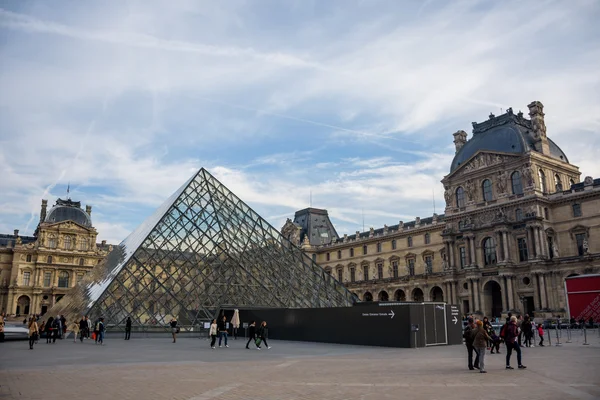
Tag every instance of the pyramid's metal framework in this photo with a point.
(203, 250)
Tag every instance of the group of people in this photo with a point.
(255, 335)
(57, 328)
(480, 336)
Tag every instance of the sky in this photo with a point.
(339, 104)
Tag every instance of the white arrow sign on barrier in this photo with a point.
(392, 314)
(455, 320)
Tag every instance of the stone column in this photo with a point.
(471, 297)
(544, 240)
(537, 303)
(499, 247)
(544, 301)
(455, 292)
(476, 294)
(451, 260)
(539, 244)
(511, 293)
(473, 253)
(505, 245)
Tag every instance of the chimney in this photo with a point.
(88, 210)
(460, 138)
(536, 113)
(43, 211)
(16, 233)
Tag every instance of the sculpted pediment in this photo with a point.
(483, 160)
(67, 225)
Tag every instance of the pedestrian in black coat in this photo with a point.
(252, 335)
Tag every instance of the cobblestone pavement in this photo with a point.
(190, 370)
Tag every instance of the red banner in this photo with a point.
(583, 296)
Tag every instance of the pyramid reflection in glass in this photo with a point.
(201, 251)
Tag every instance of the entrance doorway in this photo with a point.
(492, 299)
(528, 305)
(383, 296)
(437, 294)
(44, 309)
(23, 305)
(368, 296)
(417, 295)
(466, 307)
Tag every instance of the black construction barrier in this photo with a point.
(391, 324)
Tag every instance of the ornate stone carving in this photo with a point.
(291, 231)
(527, 175)
(470, 190)
(502, 182)
(448, 195)
(483, 160)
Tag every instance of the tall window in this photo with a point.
(580, 238)
(518, 214)
(351, 252)
(365, 249)
(49, 259)
(409, 241)
(394, 244)
(411, 266)
(67, 242)
(427, 238)
(380, 271)
(489, 251)
(352, 275)
(340, 275)
(522, 243)
(379, 247)
(542, 178)
(577, 210)
(63, 279)
(395, 269)
(460, 197)
(28, 257)
(365, 272)
(551, 246)
(339, 254)
(463, 256)
(517, 185)
(26, 277)
(83, 244)
(428, 265)
(47, 277)
(52, 242)
(81, 261)
(486, 187)
(328, 256)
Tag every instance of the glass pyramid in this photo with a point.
(201, 251)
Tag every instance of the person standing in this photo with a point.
(540, 330)
(63, 323)
(173, 325)
(101, 331)
(262, 333)
(213, 333)
(75, 329)
(83, 329)
(252, 335)
(468, 336)
(128, 328)
(488, 329)
(526, 329)
(97, 331)
(223, 331)
(480, 341)
(56, 328)
(49, 328)
(511, 340)
(33, 332)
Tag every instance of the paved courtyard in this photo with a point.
(155, 368)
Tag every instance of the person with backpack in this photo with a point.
(540, 330)
(252, 335)
(468, 336)
(511, 340)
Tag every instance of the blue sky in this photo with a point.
(355, 101)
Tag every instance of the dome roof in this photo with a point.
(67, 210)
(508, 133)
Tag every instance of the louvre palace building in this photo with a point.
(37, 271)
(519, 219)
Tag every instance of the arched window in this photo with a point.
(81, 261)
(28, 257)
(571, 182)
(489, 251)
(518, 214)
(52, 242)
(460, 197)
(542, 177)
(517, 185)
(409, 241)
(427, 238)
(67, 242)
(49, 259)
(63, 279)
(486, 187)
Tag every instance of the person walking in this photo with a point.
(468, 336)
(49, 328)
(213, 333)
(262, 334)
(128, 328)
(511, 340)
(480, 341)
(223, 331)
(526, 330)
(89, 324)
(83, 329)
(56, 328)
(75, 329)
(100, 328)
(97, 331)
(33, 332)
(489, 329)
(540, 330)
(63, 324)
(252, 335)
(174, 329)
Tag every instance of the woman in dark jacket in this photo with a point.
(262, 333)
(489, 329)
(49, 329)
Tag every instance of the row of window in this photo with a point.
(409, 243)
(410, 265)
(63, 279)
(516, 186)
(68, 243)
(50, 259)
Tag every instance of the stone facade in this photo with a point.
(518, 221)
(37, 271)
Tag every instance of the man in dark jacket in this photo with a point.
(469, 337)
(252, 335)
(223, 330)
(511, 336)
(83, 328)
(128, 328)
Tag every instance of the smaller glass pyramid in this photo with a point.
(201, 251)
